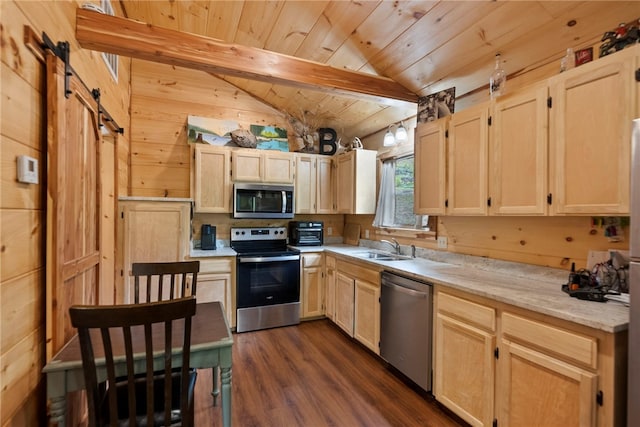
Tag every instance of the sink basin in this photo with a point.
(381, 256)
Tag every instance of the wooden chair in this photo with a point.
(127, 398)
(164, 280)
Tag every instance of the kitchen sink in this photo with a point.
(381, 256)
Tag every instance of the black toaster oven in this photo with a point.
(306, 233)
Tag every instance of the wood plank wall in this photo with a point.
(22, 216)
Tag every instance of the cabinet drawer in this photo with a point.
(218, 265)
(359, 272)
(311, 260)
(575, 347)
(331, 262)
(479, 315)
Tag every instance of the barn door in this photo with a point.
(73, 238)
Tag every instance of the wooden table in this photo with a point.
(211, 342)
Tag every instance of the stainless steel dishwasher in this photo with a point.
(405, 326)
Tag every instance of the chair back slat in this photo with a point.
(107, 330)
(164, 280)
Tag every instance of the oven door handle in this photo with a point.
(269, 258)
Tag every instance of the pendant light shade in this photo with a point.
(401, 133)
(389, 139)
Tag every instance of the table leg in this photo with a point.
(225, 379)
(215, 391)
(58, 409)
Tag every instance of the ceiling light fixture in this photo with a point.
(401, 133)
(389, 139)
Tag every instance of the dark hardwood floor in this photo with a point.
(314, 375)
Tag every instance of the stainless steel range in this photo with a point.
(267, 278)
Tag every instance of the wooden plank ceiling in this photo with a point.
(424, 46)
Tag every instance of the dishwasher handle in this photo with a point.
(402, 289)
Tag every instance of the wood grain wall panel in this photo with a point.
(20, 100)
(150, 153)
(160, 181)
(21, 237)
(17, 319)
(16, 195)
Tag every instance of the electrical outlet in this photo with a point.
(442, 242)
(329, 231)
(366, 234)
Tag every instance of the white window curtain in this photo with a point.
(385, 210)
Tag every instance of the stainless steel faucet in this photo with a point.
(395, 244)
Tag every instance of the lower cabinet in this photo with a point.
(497, 363)
(357, 303)
(216, 283)
(312, 285)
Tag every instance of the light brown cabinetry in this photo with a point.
(357, 303)
(330, 287)
(314, 184)
(430, 156)
(356, 182)
(212, 179)
(493, 361)
(464, 363)
(468, 156)
(312, 290)
(216, 283)
(262, 166)
(518, 153)
(150, 231)
(590, 134)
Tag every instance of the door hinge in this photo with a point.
(489, 202)
(121, 273)
(549, 102)
(638, 75)
(122, 214)
(446, 203)
(599, 398)
(495, 422)
(446, 133)
(549, 198)
(489, 121)
(496, 353)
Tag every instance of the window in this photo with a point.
(111, 59)
(395, 200)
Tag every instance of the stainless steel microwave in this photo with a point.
(262, 201)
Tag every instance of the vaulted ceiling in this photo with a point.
(425, 46)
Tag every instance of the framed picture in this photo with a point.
(270, 137)
(584, 55)
(204, 130)
(437, 105)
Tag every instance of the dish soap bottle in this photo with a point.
(498, 80)
(568, 61)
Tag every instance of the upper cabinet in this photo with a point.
(212, 179)
(314, 184)
(468, 154)
(356, 182)
(430, 154)
(590, 136)
(262, 166)
(518, 153)
(561, 147)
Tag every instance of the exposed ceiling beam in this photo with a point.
(135, 39)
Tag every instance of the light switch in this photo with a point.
(27, 170)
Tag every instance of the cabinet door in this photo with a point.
(346, 173)
(330, 290)
(247, 166)
(430, 172)
(151, 232)
(345, 287)
(367, 315)
(312, 292)
(325, 185)
(216, 287)
(305, 184)
(564, 394)
(518, 153)
(468, 158)
(278, 168)
(464, 371)
(212, 180)
(590, 133)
